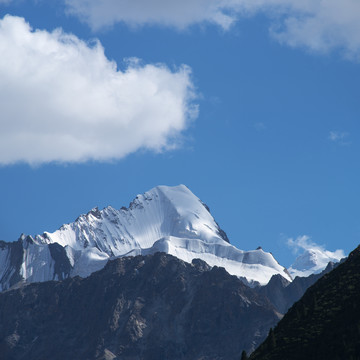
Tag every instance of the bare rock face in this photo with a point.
(143, 307)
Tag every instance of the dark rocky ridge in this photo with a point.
(12, 274)
(283, 293)
(153, 307)
(62, 266)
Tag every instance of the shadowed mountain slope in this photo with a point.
(152, 307)
(324, 323)
(283, 293)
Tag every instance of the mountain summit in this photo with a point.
(165, 219)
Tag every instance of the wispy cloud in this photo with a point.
(260, 126)
(312, 258)
(317, 25)
(304, 242)
(341, 138)
(62, 100)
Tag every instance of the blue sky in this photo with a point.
(253, 105)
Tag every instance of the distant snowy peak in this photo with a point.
(313, 261)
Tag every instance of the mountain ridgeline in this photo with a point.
(142, 307)
(324, 324)
(156, 280)
(283, 293)
(167, 219)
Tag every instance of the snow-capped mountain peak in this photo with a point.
(160, 212)
(168, 219)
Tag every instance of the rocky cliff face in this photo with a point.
(152, 307)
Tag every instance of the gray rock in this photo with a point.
(153, 307)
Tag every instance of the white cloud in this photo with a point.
(319, 25)
(260, 126)
(179, 14)
(322, 26)
(339, 137)
(304, 242)
(313, 258)
(62, 100)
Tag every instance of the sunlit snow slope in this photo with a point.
(167, 219)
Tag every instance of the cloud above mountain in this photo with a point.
(312, 258)
(304, 242)
(317, 25)
(62, 100)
